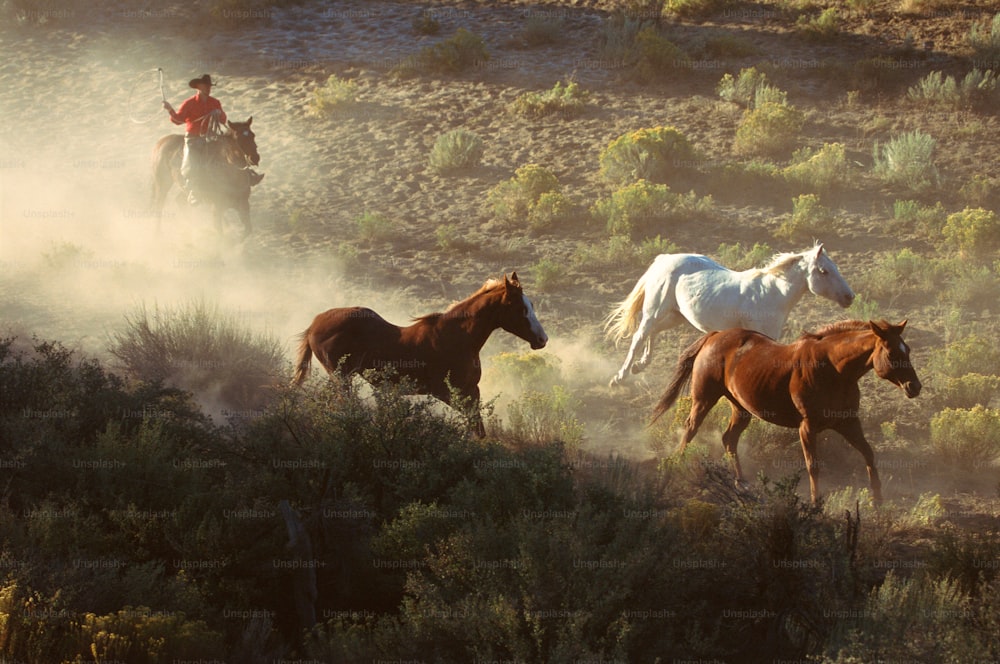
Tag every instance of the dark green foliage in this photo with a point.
(133, 529)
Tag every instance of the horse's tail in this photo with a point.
(303, 362)
(682, 374)
(624, 319)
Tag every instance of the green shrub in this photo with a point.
(737, 257)
(655, 55)
(820, 171)
(985, 40)
(693, 8)
(976, 88)
(768, 130)
(907, 160)
(646, 154)
(980, 190)
(551, 209)
(975, 233)
(972, 389)
(458, 53)
(809, 218)
(424, 23)
(619, 250)
(935, 88)
(456, 150)
(975, 353)
(742, 89)
(450, 237)
(903, 273)
(542, 30)
(374, 226)
(527, 369)
(916, 619)
(967, 438)
(197, 347)
(642, 207)
(540, 417)
(565, 101)
(824, 26)
(768, 94)
(549, 275)
(333, 95)
(928, 221)
(512, 202)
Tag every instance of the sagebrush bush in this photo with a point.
(543, 416)
(768, 130)
(904, 274)
(198, 347)
(456, 54)
(655, 55)
(643, 207)
(984, 38)
(737, 257)
(974, 353)
(551, 209)
(972, 389)
(825, 25)
(693, 8)
(907, 160)
(374, 226)
(927, 220)
(456, 150)
(334, 94)
(563, 100)
(652, 154)
(742, 89)
(936, 88)
(820, 170)
(514, 201)
(549, 275)
(966, 438)
(620, 250)
(809, 218)
(974, 233)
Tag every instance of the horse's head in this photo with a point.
(245, 140)
(518, 315)
(824, 278)
(891, 357)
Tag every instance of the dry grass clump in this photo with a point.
(333, 95)
(197, 347)
(456, 150)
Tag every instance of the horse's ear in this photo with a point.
(229, 123)
(513, 282)
(880, 328)
(819, 250)
(901, 326)
(250, 121)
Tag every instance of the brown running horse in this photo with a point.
(228, 179)
(436, 351)
(810, 384)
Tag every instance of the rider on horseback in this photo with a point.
(202, 116)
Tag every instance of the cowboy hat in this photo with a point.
(204, 80)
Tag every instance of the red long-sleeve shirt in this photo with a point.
(193, 114)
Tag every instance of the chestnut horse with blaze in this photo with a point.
(810, 384)
(439, 352)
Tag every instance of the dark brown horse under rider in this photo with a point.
(202, 117)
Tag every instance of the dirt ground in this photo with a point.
(81, 101)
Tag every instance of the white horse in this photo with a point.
(712, 297)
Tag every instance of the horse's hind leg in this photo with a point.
(739, 420)
(643, 337)
(700, 408)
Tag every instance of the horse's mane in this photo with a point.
(490, 284)
(836, 328)
(782, 262)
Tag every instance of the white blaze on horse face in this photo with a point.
(536, 327)
(826, 281)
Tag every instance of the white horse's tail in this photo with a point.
(624, 319)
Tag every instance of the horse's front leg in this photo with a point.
(850, 429)
(243, 209)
